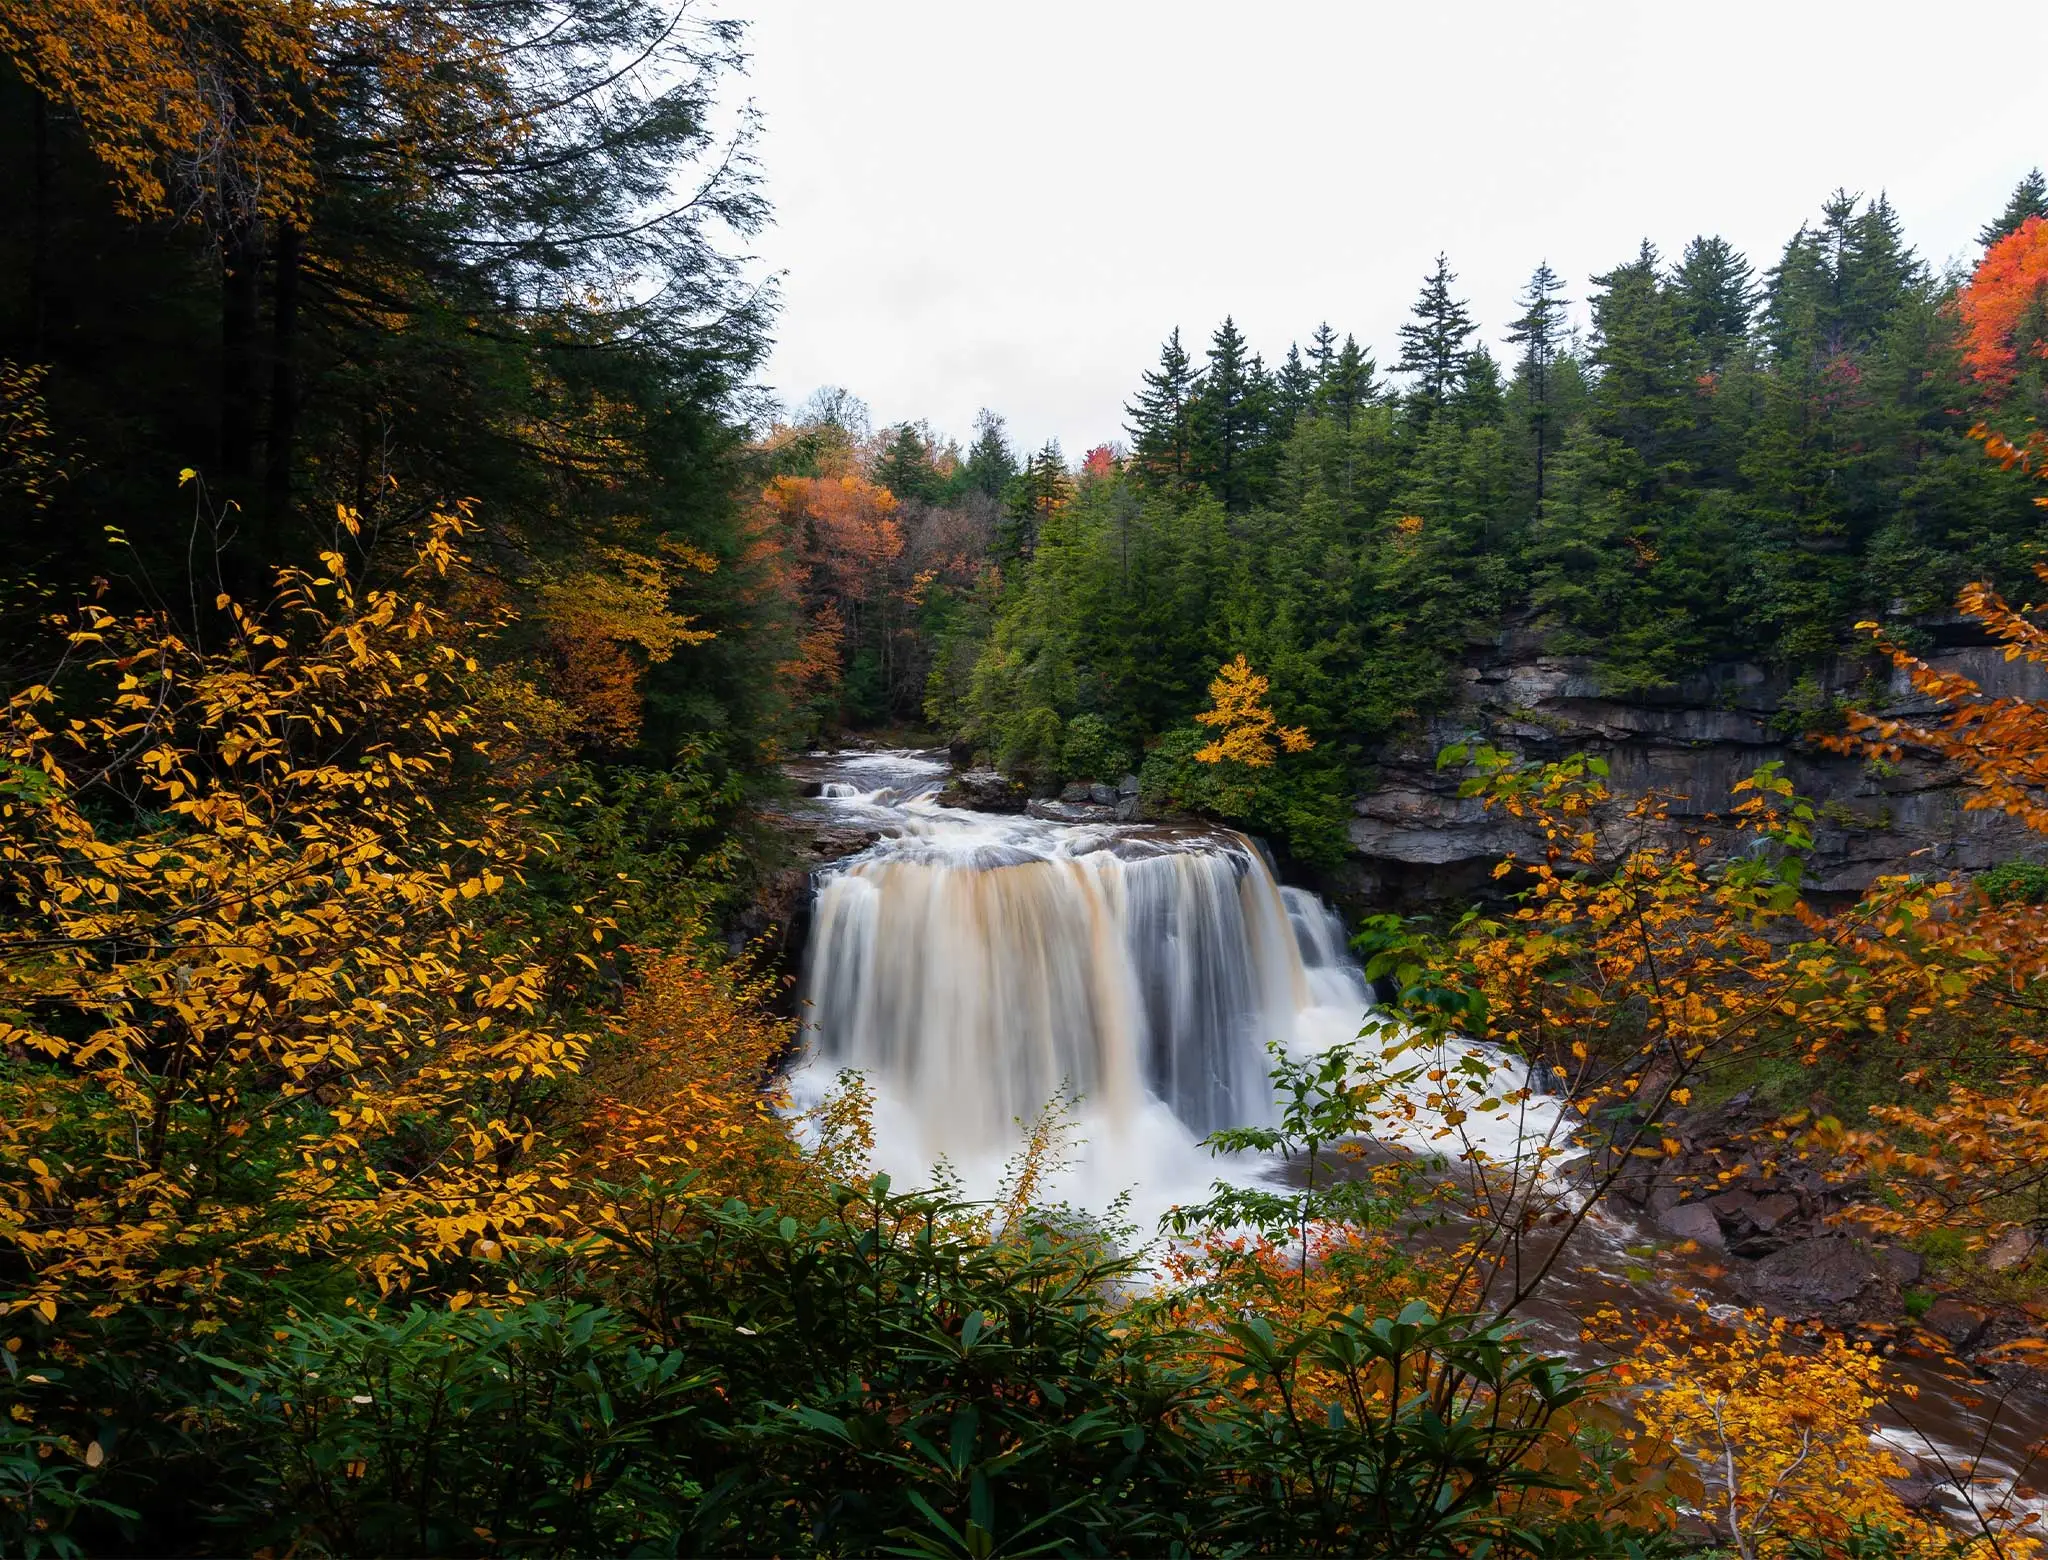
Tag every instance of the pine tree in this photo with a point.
(1229, 416)
(1294, 390)
(1322, 351)
(905, 466)
(1480, 397)
(1715, 295)
(1161, 416)
(1433, 347)
(990, 467)
(1042, 490)
(1348, 385)
(2029, 199)
(1537, 332)
(1839, 284)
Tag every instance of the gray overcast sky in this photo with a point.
(1010, 205)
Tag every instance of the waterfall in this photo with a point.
(973, 965)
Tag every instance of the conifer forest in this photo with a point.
(1435, 947)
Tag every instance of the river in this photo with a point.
(974, 966)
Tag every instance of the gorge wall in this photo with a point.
(1416, 842)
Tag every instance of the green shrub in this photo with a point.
(1091, 750)
(1303, 801)
(2016, 883)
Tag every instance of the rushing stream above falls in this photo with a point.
(975, 966)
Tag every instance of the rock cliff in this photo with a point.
(1415, 841)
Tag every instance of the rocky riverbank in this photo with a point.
(1777, 1228)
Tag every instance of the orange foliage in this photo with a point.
(824, 548)
(1247, 731)
(208, 108)
(597, 617)
(2000, 744)
(2007, 299)
(689, 1088)
(1775, 1428)
(187, 102)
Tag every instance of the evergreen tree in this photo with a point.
(1348, 385)
(1042, 490)
(905, 466)
(1229, 416)
(1716, 299)
(1322, 351)
(2029, 199)
(1538, 332)
(1839, 284)
(1433, 345)
(1161, 417)
(1294, 391)
(1480, 398)
(989, 467)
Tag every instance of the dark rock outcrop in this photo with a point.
(1826, 1275)
(1414, 840)
(985, 790)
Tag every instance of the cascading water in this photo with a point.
(973, 966)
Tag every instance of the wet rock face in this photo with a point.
(1414, 839)
(1824, 1275)
(985, 790)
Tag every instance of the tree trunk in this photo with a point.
(39, 220)
(284, 382)
(240, 294)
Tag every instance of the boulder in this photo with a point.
(1128, 786)
(1127, 809)
(1068, 812)
(1959, 1324)
(1830, 1271)
(1772, 1210)
(1103, 795)
(1076, 792)
(2013, 1248)
(1905, 1267)
(1693, 1221)
(984, 790)
(1736, 1209)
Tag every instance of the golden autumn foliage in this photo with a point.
(610, 620)
(1247, 732)
(1776, 1426)
(250, 938)
(823, 547)
(270, 1009)
(207, 108)
(691, 1088)
(186, 102)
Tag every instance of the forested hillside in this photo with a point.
(1732, 462)
(410, 602)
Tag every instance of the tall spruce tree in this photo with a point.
(1042, 490)
(2029, 199)
(1294, 390)
(1322, 351)
(905, 466)
(1538, 331)
(1715, 294)
(990, 466)
(1161, 418)
(1229, 416)
(1433, 346)
(1349, 383)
